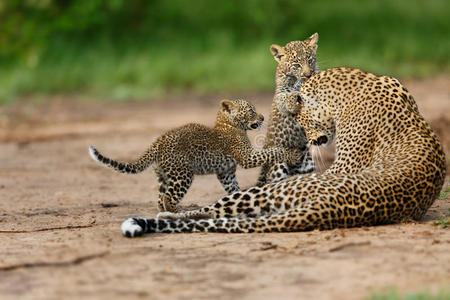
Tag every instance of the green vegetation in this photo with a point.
(444, 193)
(444, 223)
(394, 295)
(122, 49)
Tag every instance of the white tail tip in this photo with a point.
(92, 153)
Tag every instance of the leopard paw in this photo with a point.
(166, 215)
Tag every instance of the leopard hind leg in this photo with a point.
(173, 189)
(162, 180)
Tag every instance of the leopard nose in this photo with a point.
(306, 72)
(322, 140)
(306, 75)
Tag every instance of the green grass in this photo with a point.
(424, 295)
(444, 193)
(170, 47)
(142, 74)
(444, 223)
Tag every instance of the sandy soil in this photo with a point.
(60, 215)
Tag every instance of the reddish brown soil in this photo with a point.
(60, 215)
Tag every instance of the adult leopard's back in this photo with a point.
(389, 166)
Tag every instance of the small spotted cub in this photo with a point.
(194, 149)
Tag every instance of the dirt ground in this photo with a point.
(60, 215)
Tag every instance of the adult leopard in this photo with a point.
(389, 166)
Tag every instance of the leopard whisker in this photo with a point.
(318, 154)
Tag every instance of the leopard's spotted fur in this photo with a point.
(195, 149)
(389, 166)
(296, 63)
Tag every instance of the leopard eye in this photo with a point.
(252, 111)
(311, 61)
(298, 66)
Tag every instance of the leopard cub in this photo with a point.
(195, 149)
(296, 63)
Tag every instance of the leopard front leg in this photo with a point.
(281, 171)
(278, 172)
(306, 166)
(229, 181)
(262, 178)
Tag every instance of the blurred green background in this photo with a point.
(138, 49)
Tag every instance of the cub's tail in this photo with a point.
(138, 166)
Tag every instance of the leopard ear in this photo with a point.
(312, 40)
(277, 52)
(226, 105)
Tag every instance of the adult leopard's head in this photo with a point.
(315, 113)
(296, 60)
(240, 114)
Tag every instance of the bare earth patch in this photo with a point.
(60, 215)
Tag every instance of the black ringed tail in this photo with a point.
(138, 166)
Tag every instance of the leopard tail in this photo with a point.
(142, 163)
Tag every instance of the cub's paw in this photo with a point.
(288, 103)
(293, 101)
(132, 228)
(295, 156)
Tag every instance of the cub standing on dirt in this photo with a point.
(194, 149)
(296, 63)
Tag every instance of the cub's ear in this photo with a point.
(277, 52)
(312, 40)
(226, 105)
